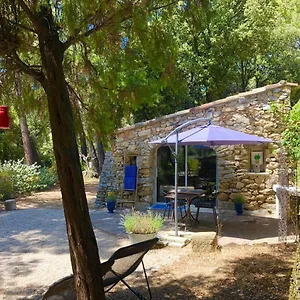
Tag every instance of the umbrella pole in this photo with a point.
(186, 167)
(176, 186)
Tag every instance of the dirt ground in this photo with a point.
(234, 272)
(51, 198)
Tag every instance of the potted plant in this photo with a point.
(111, 202)
(239, 201)
(141, 226)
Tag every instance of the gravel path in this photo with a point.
(34, 251)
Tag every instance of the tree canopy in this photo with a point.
(120, 52)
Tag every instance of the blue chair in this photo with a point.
(181, 206)
(130, 178)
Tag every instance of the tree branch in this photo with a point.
(96, 27)
(97, 23)
(29, 13)
(77, 96)
(32, 17)
(22, 26)
(39, 76)
(163, 6)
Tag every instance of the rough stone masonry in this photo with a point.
(259, 111)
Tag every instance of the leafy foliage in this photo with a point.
(24, 179)
(239, 199)
(47, 178)
(292, 133)
(225, 47)
(6, 187)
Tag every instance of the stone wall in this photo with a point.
(250, 112)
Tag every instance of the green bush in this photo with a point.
(239, 199)
(6, 188)
(142, 223)
(47, 178)
(25, 179)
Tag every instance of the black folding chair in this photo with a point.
(121, 264)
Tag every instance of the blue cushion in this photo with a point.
(130, 171)
(129, 183)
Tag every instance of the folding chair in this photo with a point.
(121, 264)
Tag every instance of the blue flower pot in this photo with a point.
(239, 208)
(111, 205)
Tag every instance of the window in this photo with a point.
(257, 161)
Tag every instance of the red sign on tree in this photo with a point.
(4, 117)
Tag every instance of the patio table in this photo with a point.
(188, 196)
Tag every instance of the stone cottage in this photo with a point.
(251, 170)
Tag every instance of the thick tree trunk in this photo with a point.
(82, 242)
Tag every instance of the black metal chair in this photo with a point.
(206, 201)
(121, 264)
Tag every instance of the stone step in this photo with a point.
(178, 245)
(172, 240)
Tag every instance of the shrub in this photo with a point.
(6, 188)
(142, 223)
(25, 179)
(47, 178)
(239, 199)
(111, 197)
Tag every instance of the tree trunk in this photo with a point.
(31, 154)
(83, 146)
(94, 158)
(101, 154)
(30, 151)
(82, 242)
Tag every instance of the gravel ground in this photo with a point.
(34, 251)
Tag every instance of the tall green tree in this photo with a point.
(224, 47)
(35, 38)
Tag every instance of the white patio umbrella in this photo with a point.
(207, 135)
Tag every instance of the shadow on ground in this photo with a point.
(259, 276)
(244, 228)
(31, 240)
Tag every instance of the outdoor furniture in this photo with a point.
(208, 200)
(170, 206)
(181, 205)
(121, 264)
(187, 196)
